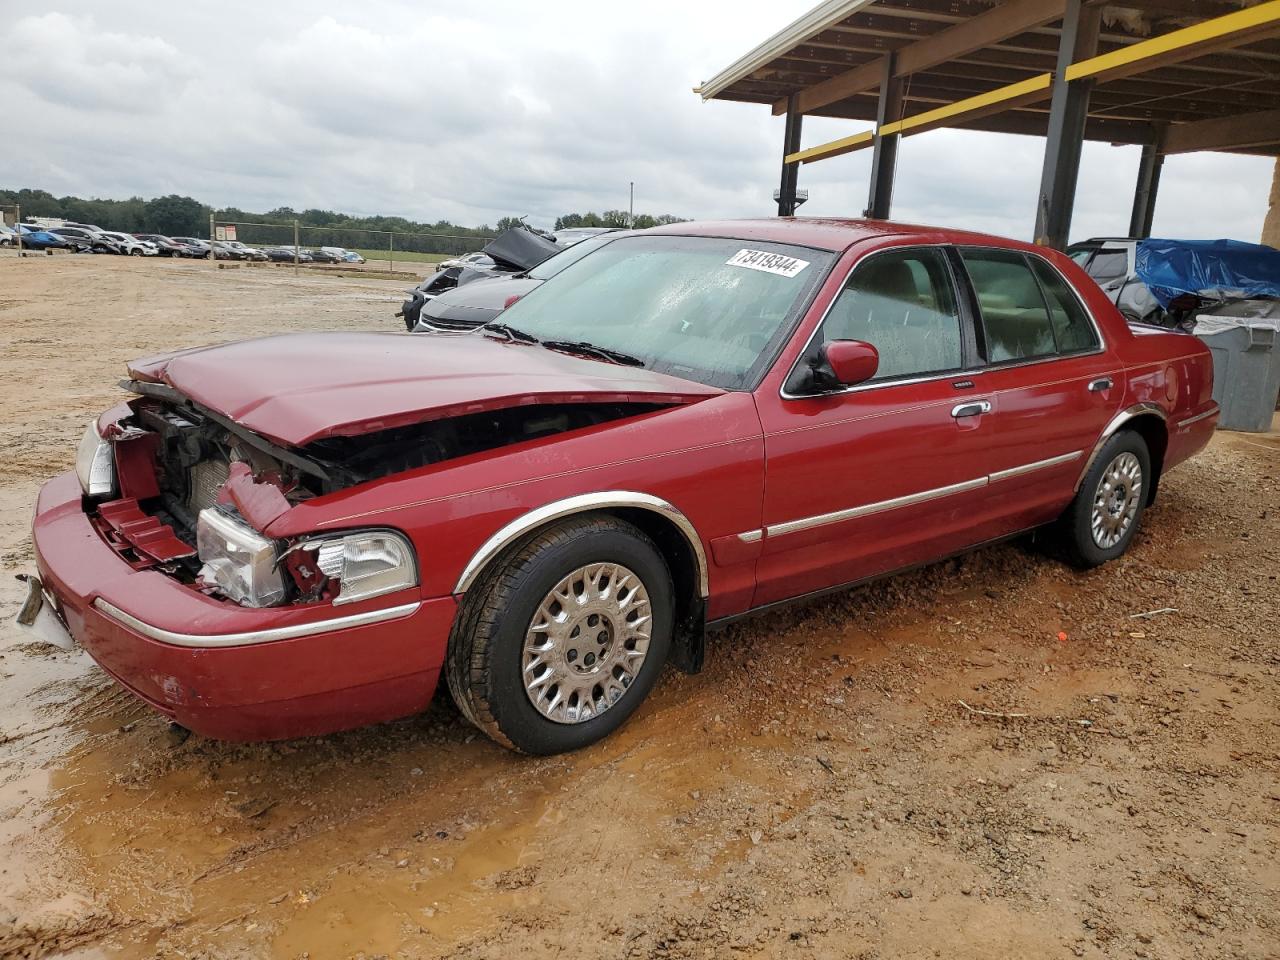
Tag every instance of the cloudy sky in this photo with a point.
(471, 111)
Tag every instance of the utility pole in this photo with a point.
(631, 214)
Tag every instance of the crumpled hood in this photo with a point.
(520, 249)
(296, 388)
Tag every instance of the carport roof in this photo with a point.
(1213, 92)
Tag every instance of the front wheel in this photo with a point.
(1104, 516)
(556, 648)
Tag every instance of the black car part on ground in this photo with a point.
(515, 251)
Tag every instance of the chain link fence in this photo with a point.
(389, 250)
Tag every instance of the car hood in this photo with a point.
(520, 249)
(478, 302)
(297, 388)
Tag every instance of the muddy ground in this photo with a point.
(995, 757)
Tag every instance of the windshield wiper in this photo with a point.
(511, 333)
(591, 350)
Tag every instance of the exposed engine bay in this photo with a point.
(175, 460)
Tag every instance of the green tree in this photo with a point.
(510, 223)
(176, 216)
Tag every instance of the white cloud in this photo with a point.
(471, 112)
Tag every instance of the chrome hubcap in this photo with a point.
(1115, 504)
(587, 642)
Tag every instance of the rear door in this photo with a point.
(1052, 381)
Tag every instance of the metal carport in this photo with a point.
(1173, 76)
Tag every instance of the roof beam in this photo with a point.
(999, 23)
(971, 108)
(1225, 133)
(1231, 30)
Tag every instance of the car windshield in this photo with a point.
(552, 265)
(702, 308)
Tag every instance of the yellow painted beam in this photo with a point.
(835, 148)
(1233, 29)
(1025, 91)
(993, 101)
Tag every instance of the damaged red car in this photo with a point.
(303, 533)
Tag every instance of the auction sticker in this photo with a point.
(778, 263)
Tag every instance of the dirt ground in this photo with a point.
(995, 757)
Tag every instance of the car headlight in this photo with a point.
(95, 463)
(238, 560)
(366, 564)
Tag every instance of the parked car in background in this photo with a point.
(130, 245)
(344, 255)
(167, 246)
(8, 236)
(475, 260)
(245, 251)
(34, 238)
(286, 255)
(322, 255)
(549, 510)
(87, 238)
(514, 251)
(478, 302)
(197, 244)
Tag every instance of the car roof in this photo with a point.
(824, 233)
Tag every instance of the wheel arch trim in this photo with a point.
(585, 503)
(1144, 409)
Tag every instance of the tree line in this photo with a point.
(179, 216)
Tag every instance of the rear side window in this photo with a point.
(1108, 265)
(1071, 327)
(903, 303)
(1015, 320)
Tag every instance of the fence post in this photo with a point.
(295, 248)
(213, 256)
(17, 225)
(391, 252)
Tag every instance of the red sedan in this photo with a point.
(299, 534)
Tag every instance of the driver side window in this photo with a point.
(903, 303)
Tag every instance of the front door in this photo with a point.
(889, 473)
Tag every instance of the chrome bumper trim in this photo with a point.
(1197, 418)
(254, 636)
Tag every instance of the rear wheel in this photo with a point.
(1104, 516)
(557, 647)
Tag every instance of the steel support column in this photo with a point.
(1144, 195)
(790, 171)
(1068, 111)
(885, 159)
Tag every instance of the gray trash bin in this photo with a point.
(1246, 367)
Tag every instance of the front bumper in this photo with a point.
(231, 672)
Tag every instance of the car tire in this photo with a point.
(596, 665)
(1107, 510)
(135, 253)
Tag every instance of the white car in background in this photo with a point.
(132, 245)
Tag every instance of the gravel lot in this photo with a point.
(922, 768)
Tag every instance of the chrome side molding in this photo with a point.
(1032, 467)
(584, 503)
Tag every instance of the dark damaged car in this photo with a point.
(305, 533)
(510, 253)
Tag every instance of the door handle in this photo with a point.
(1102, 383)
(971, 409)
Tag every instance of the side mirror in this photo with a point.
(852, 361)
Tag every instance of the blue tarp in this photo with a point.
(1213, 268)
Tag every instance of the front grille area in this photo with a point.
(204, 480)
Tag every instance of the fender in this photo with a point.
(584, 503)
(1119, 420)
